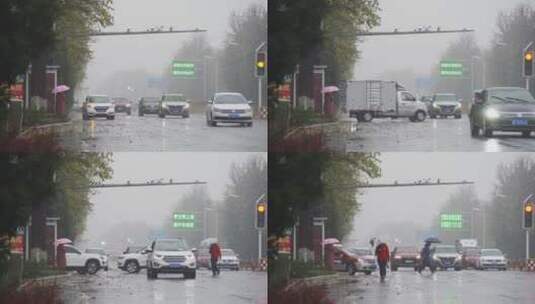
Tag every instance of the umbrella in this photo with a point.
(330, 89)
(63, 241)
(60, 88)
(432, 239)
(330, 241)
(209, 241)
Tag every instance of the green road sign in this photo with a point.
(451, 68)
(185, 220)
(184, 69)
(451, 221)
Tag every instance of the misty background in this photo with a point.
(126, 65)
(419, 54)
(141, 213)
(410, 212)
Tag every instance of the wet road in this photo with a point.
(116, 286)
(151, 133)
(443, 287)
(448, 135)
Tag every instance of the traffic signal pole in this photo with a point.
(527, 245)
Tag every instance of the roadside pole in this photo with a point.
(527, 245)
(259, 245)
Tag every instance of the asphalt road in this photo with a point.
(151, 133)
(432, 135)
(116, 286)
(443, 287)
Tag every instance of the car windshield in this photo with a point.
(360, 251)
(445, 249)
(230, 99)
(174, 97)
(445, 97)
(489, 252)
(227, 252)
(510, 95)
(150, 100)
(97, 251)
(407, 250)
(171, 245)
(98, 99)
(134, 249)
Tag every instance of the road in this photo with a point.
(116, 286)
(151, 133)
(443, 287)
(435, 135)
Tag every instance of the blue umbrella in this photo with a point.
(432, 239)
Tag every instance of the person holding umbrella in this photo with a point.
(425, 255)
(215, 255)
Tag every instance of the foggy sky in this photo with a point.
(421, 52)
(152, 205)
(420, 204)
(154, 52)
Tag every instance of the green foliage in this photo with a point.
(27, 30)
(307, 181)
(248, 181)
(317, 31)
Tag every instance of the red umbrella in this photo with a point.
(63, 241)
(330, 89)
(60, 88)
(330, 241)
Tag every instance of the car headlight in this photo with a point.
(436, 106)
(418, 256)
(397, 257)
(186, 106)
(128, 105)
(458, 105)
(435, 257)
(492, 113)
(164, 105)
(158, 256)
(458, 257)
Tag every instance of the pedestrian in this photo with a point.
(215, 255)
(425, 258)
(383, 256)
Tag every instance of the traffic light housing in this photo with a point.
(260, 64)
(527, 211)
(527, 68)
(261, 211)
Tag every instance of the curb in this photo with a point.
(43, 280)
(43, 129)
(317, 280)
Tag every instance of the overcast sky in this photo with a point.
(154, 52)
(152, 205)
(382, 53)
(381, 206)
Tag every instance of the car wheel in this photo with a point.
(458, 268)
(368, 272)
(526, 133)
(367, 117)
(131, 267)
(161, 115)
(250, 124)
(185, 115)
(92, 267)
(432, 116)
(129, 113)
(487, 133)
(419, 116)
(213, 123)
(190, 275)
(81, 271)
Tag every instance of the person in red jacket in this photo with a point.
(383, 256)
(215, 255)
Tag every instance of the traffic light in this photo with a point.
(261, 210)
(527, 68)
(260, 64)
(528, 215)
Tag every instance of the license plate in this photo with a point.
(234, 115)
(520, 122)
(409, 261)
(175, 265)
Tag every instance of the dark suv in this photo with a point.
(502, 109)
(444, 105)
(406, 256)
(148, 105)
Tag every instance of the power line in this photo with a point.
(148, 184)
(413, 184)
(146, 32)
(414, 32)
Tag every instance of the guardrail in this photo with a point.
(522, 265)
(254, 265)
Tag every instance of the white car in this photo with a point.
(170, 256)
(133, 259)
(229, 260)
(84, 262)
(173, 104)
(101, 252)
(98, 106)
(229, 108)
(492, 259)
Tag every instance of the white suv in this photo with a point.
(98, 106)
(133, 259)
(84, 262)
(170, 256)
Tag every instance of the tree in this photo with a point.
(301, 184)
(248, 30)
(515, 181)
(248, 181)
(464, 49)
(514, 31)
(27, 30)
